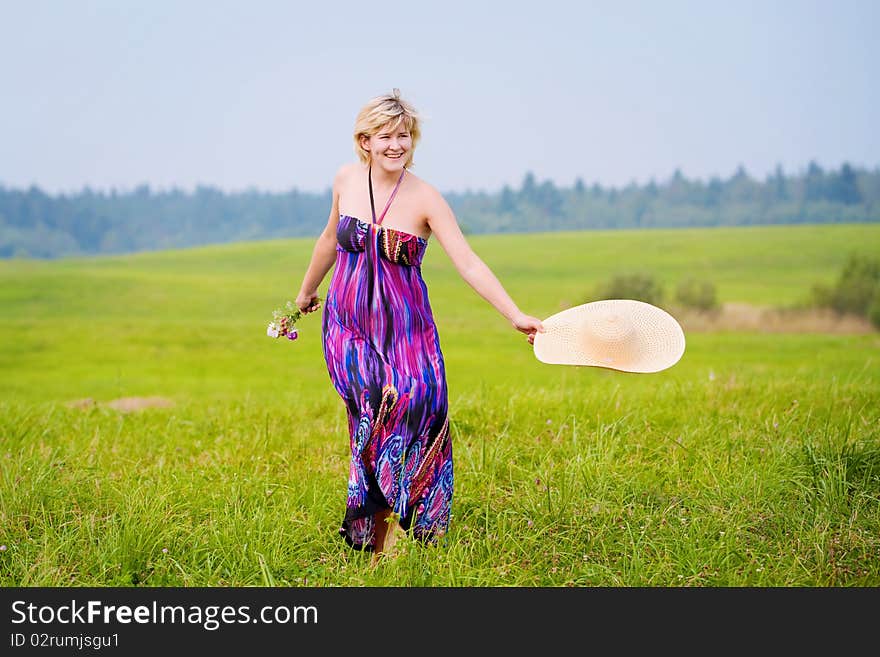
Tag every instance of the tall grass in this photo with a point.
(755, 461)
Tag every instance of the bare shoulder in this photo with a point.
(441, 221)
(343, 182)
(428, 197)
(345, 172)
(340, 182)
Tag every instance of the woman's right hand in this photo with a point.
(308, 303)
(528, 325)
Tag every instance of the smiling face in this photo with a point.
(390, 147)
(386, 132)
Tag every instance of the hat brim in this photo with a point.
(658, 341)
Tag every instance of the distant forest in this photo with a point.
(34, 224)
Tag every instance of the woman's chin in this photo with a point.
(392, 165)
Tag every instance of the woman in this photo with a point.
(380, 341)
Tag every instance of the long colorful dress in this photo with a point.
(383, 355)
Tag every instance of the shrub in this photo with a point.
(638, 286)
(855, 289)
(694, 293)
(821, 295)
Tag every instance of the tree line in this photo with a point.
(39, 225)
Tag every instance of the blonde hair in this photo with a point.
(387, 110)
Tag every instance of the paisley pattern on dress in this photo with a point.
(383, 355)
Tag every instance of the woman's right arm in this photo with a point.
(323, 255)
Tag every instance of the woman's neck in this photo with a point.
(383, 179)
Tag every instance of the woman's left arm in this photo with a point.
(471, 267)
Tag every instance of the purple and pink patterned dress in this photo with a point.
(383, 355)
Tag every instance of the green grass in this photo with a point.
(755, 461)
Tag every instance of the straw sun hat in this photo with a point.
(618, 334)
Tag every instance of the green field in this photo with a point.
(755, 461)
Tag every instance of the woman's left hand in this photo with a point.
(528, 325)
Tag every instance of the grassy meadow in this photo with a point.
(755, 461)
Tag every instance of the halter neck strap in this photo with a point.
(390, 198)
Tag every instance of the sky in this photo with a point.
(263, 95)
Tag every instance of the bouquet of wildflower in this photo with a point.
(283, 324)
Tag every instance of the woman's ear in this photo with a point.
(365, 143)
